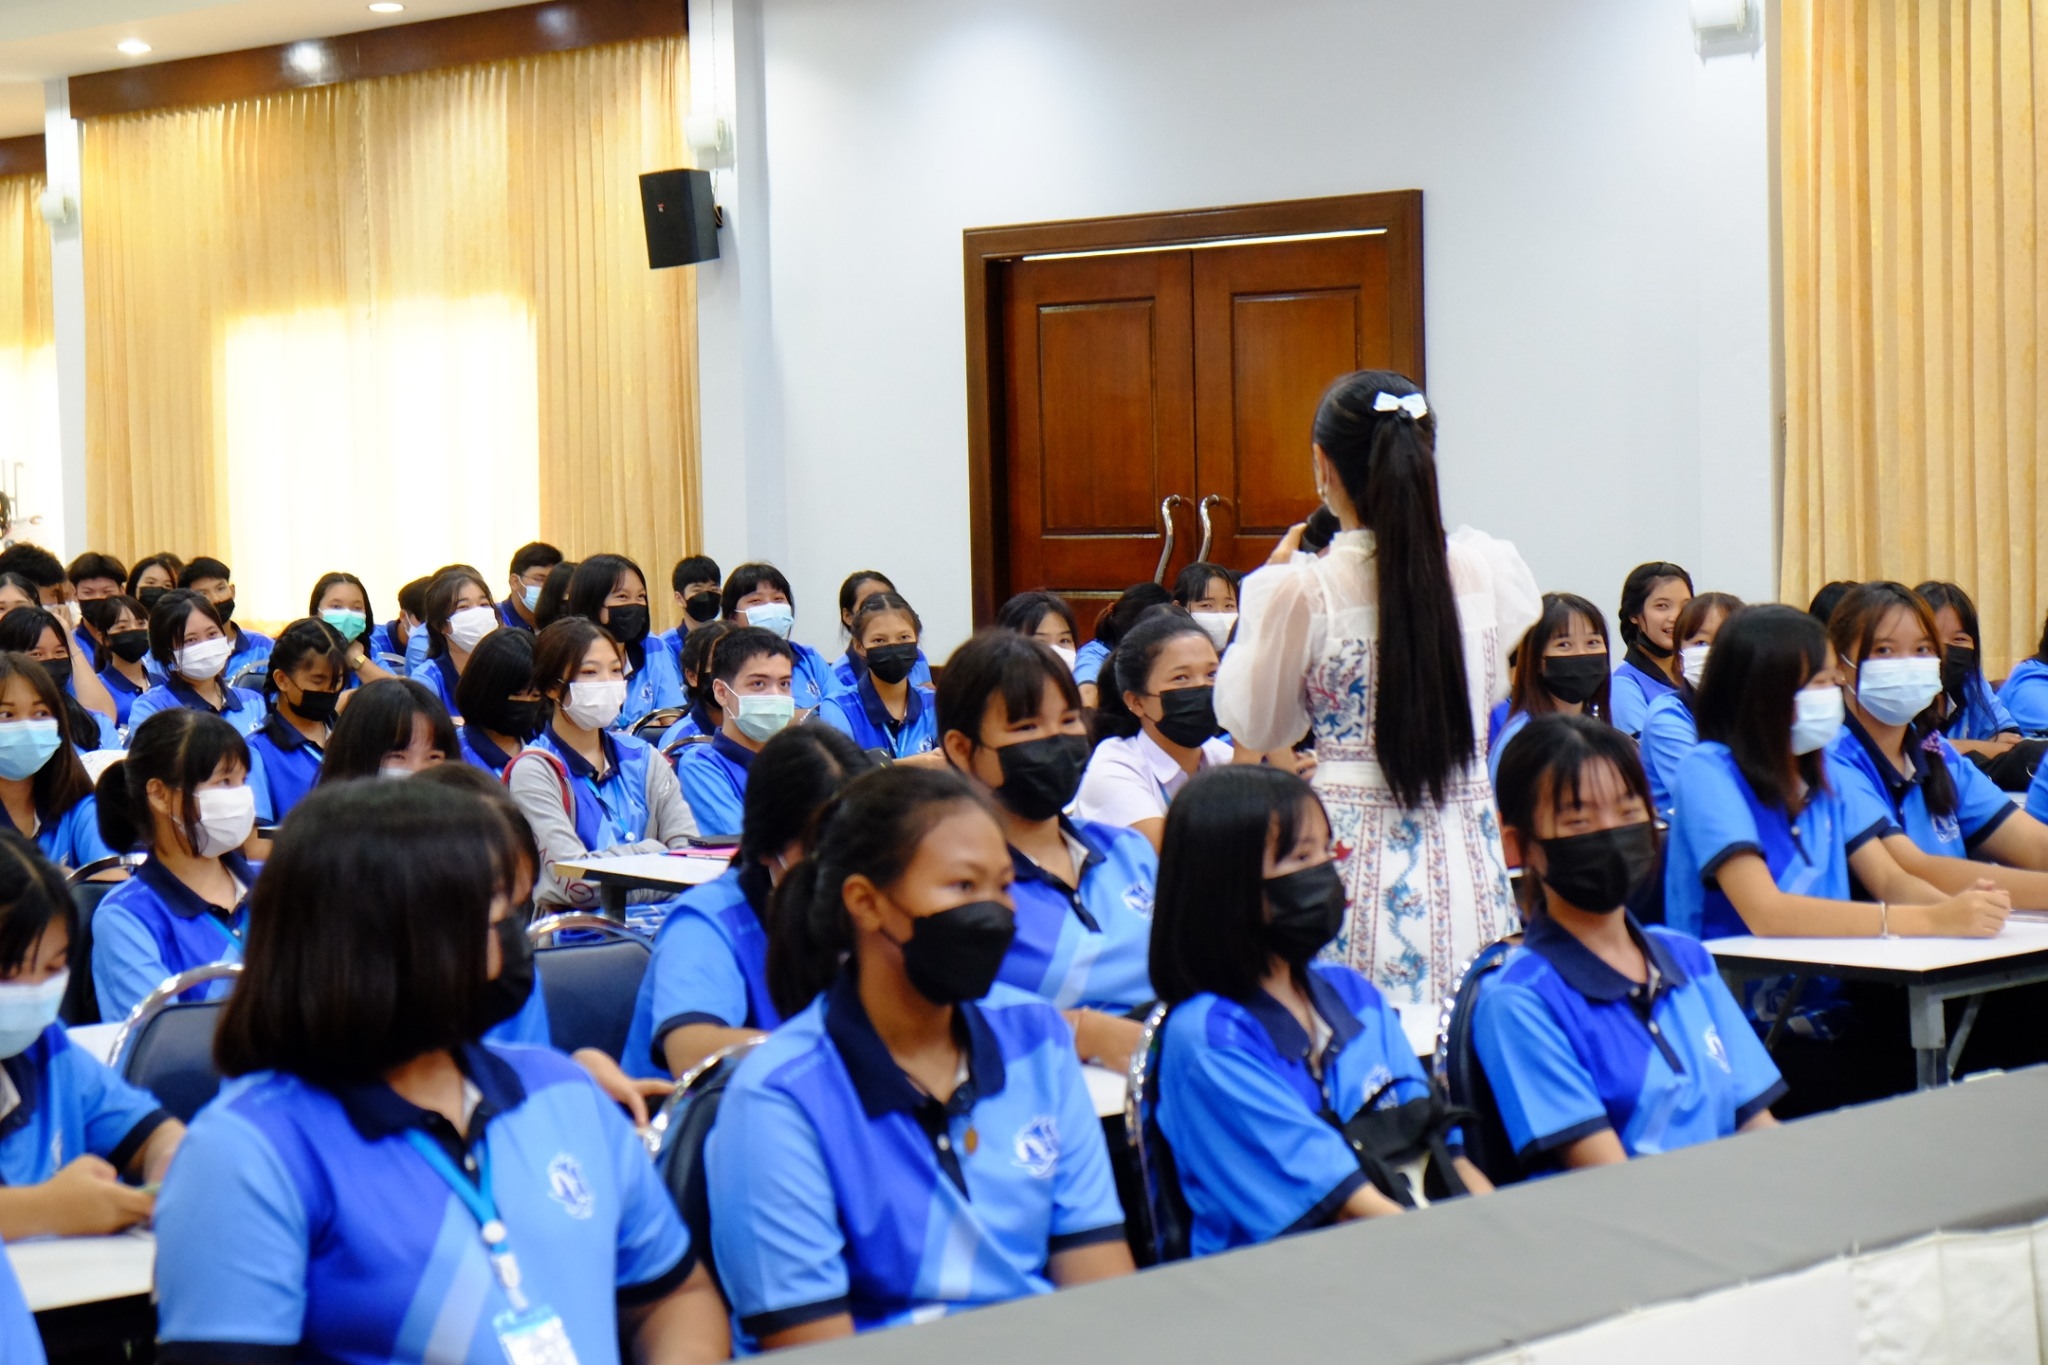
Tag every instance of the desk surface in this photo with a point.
(61, 1272)
(661, 869)
(1890, 959)
(1106, 1088)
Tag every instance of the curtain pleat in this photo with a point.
(28, 358)
(1914, 167)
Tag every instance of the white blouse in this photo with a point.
(1133, 779)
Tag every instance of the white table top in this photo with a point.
(1891, 954)
(1106, 1088)
(1419, 1023)
(61, 1272)
(677, 869)
(96, 1040)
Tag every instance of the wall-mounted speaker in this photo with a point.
(682, 221)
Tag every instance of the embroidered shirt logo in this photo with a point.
(567, 1187)
(1376, 1080)
(1138, 898)
(1717, 1049)
(1038, 1147)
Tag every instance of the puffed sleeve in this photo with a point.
(1517, 600)
(1261, 698)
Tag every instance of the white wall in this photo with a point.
(1596, 238)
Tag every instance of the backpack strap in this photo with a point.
(561, 776)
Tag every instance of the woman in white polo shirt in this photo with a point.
(1157, 726)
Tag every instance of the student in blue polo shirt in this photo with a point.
(94, 578)
(73, 1127)
(459, 615)
(611, 590)
(40, 635)
(392, 641)
(152, 576)
(1266, 1052)
(329, 1204)
(887, 709)
(917, 1139)
(758, 595)
(584, 788)
(214, 581)
(500, 710)
(1110, 627)
(1650, 599)
(526, 576)
(1010, 721)
(308, 665)
(707, 987)
(854, 592)
(1669, 731)
(44, 790)
(1046, 618)
(1603, 1040)
(394, 727)
(751, 671)
(695, 582)
(189, 644)
(2025, 690)
(341, 600)
(1561, 668)
(182, 792)
(120, 631)
(705, 716)
(20, 1340)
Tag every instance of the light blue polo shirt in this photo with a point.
(860, 715)
(1572, 1047)
(416, 646)
(72, 1105)
(1870, 782)
(1249, 1124)
(245, 710)
(2025, 695)
(72, 839)
(710, 967)
(1510, 726)
(1088, 661)
(714, 782)
(811, 679)
(252, 650)
(283, 766)
(696, 722)
(302, 1220)
(1087, 946)
(152, 927)
(1631, 691)
(1982, 715)
(837, 1186)
(20, 1342)
(1669, 734)
(439, 675)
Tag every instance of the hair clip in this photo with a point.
(1414, 404)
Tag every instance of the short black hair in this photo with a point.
(1024, 612)
(1209, 915)
(33, 892)
(500, 665)
(367, 933)
(1527, 691)
(791, 779)
(694, 569)
(1548, 757)
(742, 645)
(1192, 583)
(998, 664)
(205, 567)
(748, 577)
(559, 648)
(92, 564)
(180, 748)
(34, 563)
(380, 718)
(554, 594)
(412, 598)
(328, 580)
(305, 641)
(169, 563)
(595, 579)
(441, 595)
(167, 623)
(1822, 607)
(535, 554)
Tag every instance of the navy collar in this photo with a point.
(576, 763)
(731, 751)
(285, 735)
(1027, 870)
(485, 748)
(701, 714)
(376, 1111)
(1288, 1036)
(879, 1081)
(182, 901)
(1896, 782)
(116, 682)
(1646, 663)
(1585, 973)
(190, 699)
(878, 714)
(508, 612)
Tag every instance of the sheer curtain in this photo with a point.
(29, 457)
(387, 325)
(1915, 180)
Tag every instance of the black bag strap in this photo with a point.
(1385, 1139)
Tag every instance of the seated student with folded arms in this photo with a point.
(328, 1205)
(1975, 722)
(308, 665)
(758, 595)
(695, 582)
(119, 630)
(610, 590)
(586, 789)
(1009, 718)
(459, 616)
(750, 680)
(1604, 1040)
(1266, 1053)
(854, 593)
(39, 634)
(1561, 668)
(341, 600)
(189, 644)
(1156, 728)
(73, 1128)
(527, 576)
(1669, 732)
(704, 716)
(183, 793)
(1208, 592)
(501, 711)
(707, 987)
(902, 1147)
(94, 577)
(1650, 599)
(213, 580)
(45, 794)
(886, 708)
(1046, 618)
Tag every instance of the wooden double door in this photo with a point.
(1157, 403)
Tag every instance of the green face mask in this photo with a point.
(351, 624)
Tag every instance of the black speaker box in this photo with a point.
(682, 223)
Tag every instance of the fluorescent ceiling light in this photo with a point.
(133, 47)
(1202, 246)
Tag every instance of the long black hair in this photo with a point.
(595, 579)
(32, 893)
(1421, 713)
(791, 779)
(1026, 610)
(1852, 630)
(1129, 669)
(61, 782)
(380, 720)
(1528, 693)
(180, 748)
(1937, 594)
(1762, 657)
(1692, 617)
(1642, 580)
(21, 632)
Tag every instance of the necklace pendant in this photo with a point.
(973, 1141)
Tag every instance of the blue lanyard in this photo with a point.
(482, 1205)
(221, 924)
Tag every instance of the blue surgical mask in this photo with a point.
(1816, 718)
(26, 745)
(351, 624)
(26, 1011)
(775, 616)
(762, 717)
(530, 595)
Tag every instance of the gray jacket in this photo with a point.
(537, 786)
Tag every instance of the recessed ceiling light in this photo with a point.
(134, 47)
(387, 7)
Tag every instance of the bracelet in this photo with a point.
(1884, 920)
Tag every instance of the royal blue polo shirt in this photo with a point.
(245, 710)
(252, 651)
(440, 675)
(837, 1186)
(417, 646)
(710, 967)
(1249, 1120)
(71, 1105)
(20, 1341)
(530, 1027)
(299, 1223)
(861, 715)
(1869, 782)
(1510, 726)
(479, 752)
(697, 722)
(1982, 715)
(714, 781)
(1572, 1047)
(122, 691)
(810, 679)
(1669, 734)
(1088, 661)
(848, 669)
(152, 927)
(1086, 946)
(2025, 695)
(1636, 684)
(283, 766)
(72, 839)
(508, 614)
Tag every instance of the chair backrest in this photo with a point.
(1163, 1219)
(1460, 1076)
(589, 985)
(81, 1001)
(166, 1045)
(683, 1125)
(674, 752)
(655, 724)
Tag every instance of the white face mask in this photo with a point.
(226, 817)
(204, 661)
(26, 1011)
(1218, 624)
(467, 628)
(1693, 662)
(774, 616)
(1816, 718)
(1896, 690)
(1068, 655)
(394, 770)
(596, 704)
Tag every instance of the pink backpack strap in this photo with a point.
(561, 775)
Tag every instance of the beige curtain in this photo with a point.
(1915, 180)
(387, 325)
(28, 363)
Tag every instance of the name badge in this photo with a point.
(533, 1337)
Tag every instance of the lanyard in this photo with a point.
(482, 1205)
(234, 939)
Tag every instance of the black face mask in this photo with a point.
(58, 669)
(1959, 664)
(1574, 678)
(1188, 715)
(149, 597)
(1598, 872)
(505, 994)
(1040, 776)
(522, 720)
(702, 606)
(129, 645)
(628, 624)
(1308, 910)
(955, 954)
(317, 707)
(892, 663)
(225, 610)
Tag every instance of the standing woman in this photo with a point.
(1395, 685)
(307, 668)
(501, 711)
(1560, 669)
(341, 600)
(189, 644)
(1670, 733)
(460, 613)
(887, 708)
(44, 791)
(119, 628)
(758, 595)
(611, 590)
(1650, 599)
(1156, 727)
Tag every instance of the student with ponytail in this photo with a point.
(1651, 597)
(1133, 605)
(308, 666)
(1390, 648)
(842, 1161)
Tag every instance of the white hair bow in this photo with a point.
(1414, 404)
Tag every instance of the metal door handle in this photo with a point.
(1166, 506)
(1208, 531)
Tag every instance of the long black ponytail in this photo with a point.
(1422, 713)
